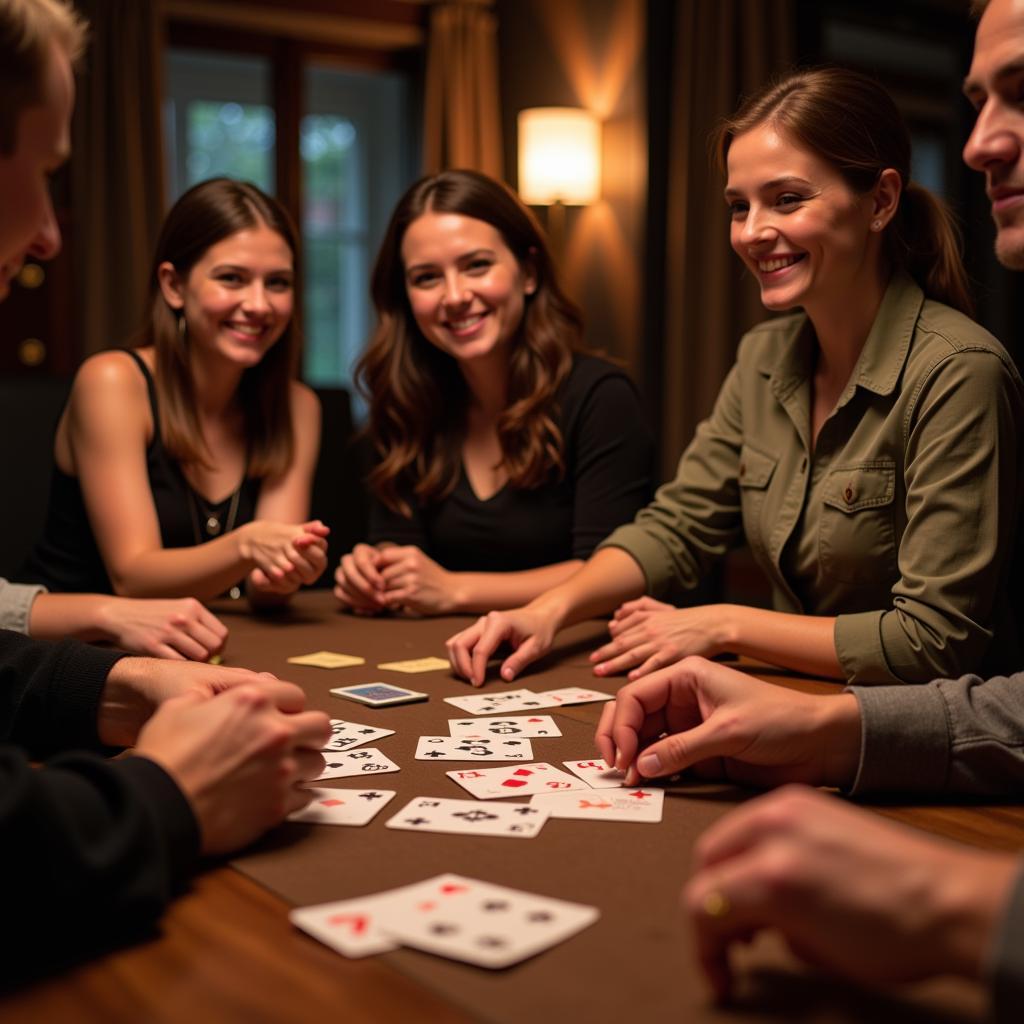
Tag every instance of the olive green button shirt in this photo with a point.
(900, 522)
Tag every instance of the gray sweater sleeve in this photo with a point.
(16, 603)
(963, 736)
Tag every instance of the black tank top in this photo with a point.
(67, 560)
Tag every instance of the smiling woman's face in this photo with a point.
(796, 224)
(466, 289)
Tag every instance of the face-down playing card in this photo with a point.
(462, 748)
(343, 806)
(469, 817)
(644, 805)
(487, 925)
(351, 734)
(515, 780)
(364, 761)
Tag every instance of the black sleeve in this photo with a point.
(49, 693)
(612, 461)
(91, 852)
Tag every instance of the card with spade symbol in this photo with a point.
(343, 806)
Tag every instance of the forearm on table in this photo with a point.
(609, 577)
(203, 571)
(475, 592)
(804, 643)
(81, 616)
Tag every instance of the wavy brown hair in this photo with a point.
(849, 120)
(416, 394)
(205, 215)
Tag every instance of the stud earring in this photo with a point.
(876, 225)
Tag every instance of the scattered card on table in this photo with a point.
(379, 695)
(469, 817)
(327, 659)
(639, 804)
(416, 665)
(352, 926)
(515, 780)
(343, 806)
(462, 748)
(364, 761)
(351, 734)
(597, 773)
(488, 925)
(499, 701)
(572, 695)
(534, 726)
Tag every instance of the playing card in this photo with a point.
(327, 659)
(352, 927)
(597, 773)
(514, 780)
(379, 695)
(416, 665)
(500, 702)
(485, 748)
(343, 806)
(572, 695)
(351, 734)
(488, 925)
(365, 761)
(533, 726)
(625, 805)
(470, 817)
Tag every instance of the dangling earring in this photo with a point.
(182, 328)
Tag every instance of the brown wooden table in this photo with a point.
(226, 952)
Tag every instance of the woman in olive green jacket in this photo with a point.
(865, 447)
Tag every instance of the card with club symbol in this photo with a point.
(534, 726)
(343, 806)
(469, 817)
(364, 761)
(485, 748)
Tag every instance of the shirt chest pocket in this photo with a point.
(755, 473)
(857, 537)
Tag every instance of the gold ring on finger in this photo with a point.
(716, 904)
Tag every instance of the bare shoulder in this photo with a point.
(109, 387)
(304, 403)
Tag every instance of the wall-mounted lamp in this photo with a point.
(559, 156)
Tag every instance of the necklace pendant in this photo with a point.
(213, 526)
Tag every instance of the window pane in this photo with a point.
(230, 140)
(355, 164)
(218, 119)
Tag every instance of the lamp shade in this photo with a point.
(559, 156)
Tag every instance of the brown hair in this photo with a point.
(849, 120)
(27, 28)
(416, 393)
(203, 216)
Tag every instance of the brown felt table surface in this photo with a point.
(227, 952)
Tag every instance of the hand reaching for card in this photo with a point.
(238, 759)
(727, 724)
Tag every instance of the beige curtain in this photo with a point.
(117, 171)
(462, 124)
(722, 49)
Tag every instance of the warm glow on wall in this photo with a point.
(559, 156)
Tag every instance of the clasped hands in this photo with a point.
(396, 578)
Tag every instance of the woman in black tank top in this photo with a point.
(184, 466)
